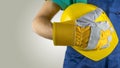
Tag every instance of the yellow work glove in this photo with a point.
(70, 34)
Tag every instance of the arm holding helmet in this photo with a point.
(67, 33)
(42, 24)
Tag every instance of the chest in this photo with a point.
(107, 5)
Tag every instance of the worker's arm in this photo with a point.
(42, 22)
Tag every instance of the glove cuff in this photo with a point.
(64, 33)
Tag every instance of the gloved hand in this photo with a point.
(85, 32)
(95, 35)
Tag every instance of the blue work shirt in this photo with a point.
(74, 59)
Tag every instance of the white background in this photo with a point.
(20, 47)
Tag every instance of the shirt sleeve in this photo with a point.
(65, 3)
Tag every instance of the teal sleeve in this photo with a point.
(65, 3)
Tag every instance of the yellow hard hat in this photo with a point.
(76, 11)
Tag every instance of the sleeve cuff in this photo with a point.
(60, 3)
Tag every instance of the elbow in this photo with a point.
(35, 26)
(43, 30)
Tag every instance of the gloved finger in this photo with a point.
(103, 25)
(84, 22)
